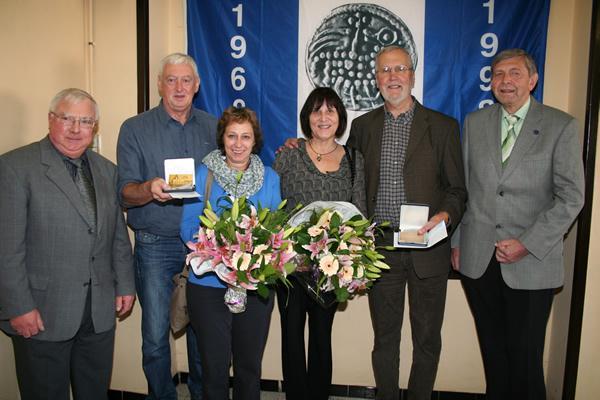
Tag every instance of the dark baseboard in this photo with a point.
(270, 385)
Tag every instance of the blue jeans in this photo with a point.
(157, 260)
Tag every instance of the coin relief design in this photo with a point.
(341, 53)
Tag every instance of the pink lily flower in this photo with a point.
(317, 247)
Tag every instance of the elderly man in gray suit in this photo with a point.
(66, 266)
(524, 175)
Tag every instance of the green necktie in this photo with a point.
(86, 188)
(508, 141)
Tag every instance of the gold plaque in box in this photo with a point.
(411, 236)
(180, 180)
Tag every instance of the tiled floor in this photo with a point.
(273, 394)
(184, 394)
(268, 395)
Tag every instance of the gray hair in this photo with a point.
(393, 47)
(179, 58)
(512, 53)
(73, 96)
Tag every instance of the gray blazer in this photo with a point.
(433, 172)
(534, 198)
(48, 250)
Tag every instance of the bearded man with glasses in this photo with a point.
(415, 158)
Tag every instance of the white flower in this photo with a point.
(210, 233)
(360, 271)
(268, 257)
(329, 265)
(245, 263)
(345, 229)
(324, 220)
(355, 248)
(346, 274)
(343, 245)
(260, 249)
(315, 230)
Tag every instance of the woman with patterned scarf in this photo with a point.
(224, 337)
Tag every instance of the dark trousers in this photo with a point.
(157, 260)
(304, 382)
(511, 326)
(427, 300)
(223, 337)
(47, 370)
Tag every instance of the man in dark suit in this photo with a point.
(414, 157)
(66, 265)
(525, 179)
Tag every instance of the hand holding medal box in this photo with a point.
(412, 218)
(180, 174)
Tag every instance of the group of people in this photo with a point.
(507, 198)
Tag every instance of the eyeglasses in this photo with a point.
(186, 81)
(398, 69)
(69, 120)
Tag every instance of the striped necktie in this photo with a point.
(510, 137)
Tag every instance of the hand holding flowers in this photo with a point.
(247, 247)
(340, 246)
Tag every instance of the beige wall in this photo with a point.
(570, 24)
(37, 62)
(60, 58)
(588, 384)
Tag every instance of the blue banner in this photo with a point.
(247, 55)
(268, 55)
(461, 39)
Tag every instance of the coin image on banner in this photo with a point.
(341, 53)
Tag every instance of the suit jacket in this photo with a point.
(433, 172)
(49, 252)
(534, 198)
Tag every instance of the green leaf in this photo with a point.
(289, 267)
(262, 214)
(341, 294)
(282, 204)
(381, 264)
(347, 236)
(336, 220)
(269, 270)
(235, 210)
(207, 222)
(262, 290)
(373, 268)
(238, 176)
(241, 276)
(210, 214)
(388, 248)
(288, 232)
(371, 255)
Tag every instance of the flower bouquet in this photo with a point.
(336, 246)
(247, 247)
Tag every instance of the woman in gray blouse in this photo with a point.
(318, 169)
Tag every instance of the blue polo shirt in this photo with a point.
(145, 141)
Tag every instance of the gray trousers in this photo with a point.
(427, 300)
